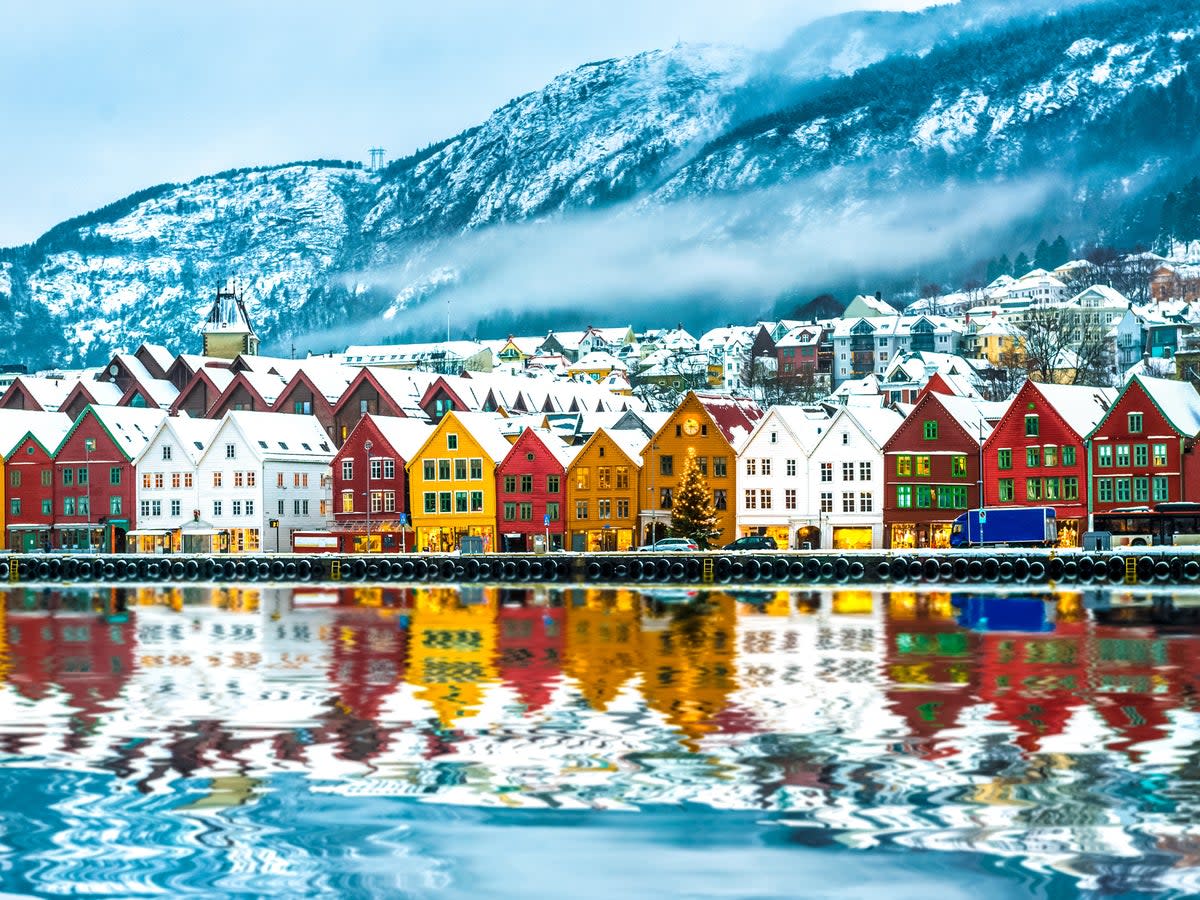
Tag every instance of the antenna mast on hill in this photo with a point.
(376, 158)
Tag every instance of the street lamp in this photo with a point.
(89, 444)
(367, 448)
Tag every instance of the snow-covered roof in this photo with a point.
(974, 416)
(632, 443)
(735, 416)
(596, 360)
(406, 435)
(48, 428)
(131, 427)
(160, 354)
(803, 336)
(898, 325)
(275, 436)
(193, 435)
(106, 393)
(48, 393)
(487, 430)
(1178, 401)
(878, 423)
(1081, 407)
(871, 305)
(806, 424)
(868, 384)
(409, 354)
(562, 452)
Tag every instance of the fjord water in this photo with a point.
(591, 743)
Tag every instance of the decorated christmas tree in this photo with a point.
(692, 512)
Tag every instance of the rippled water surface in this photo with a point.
(591, 743)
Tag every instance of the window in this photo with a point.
(1121, 454)
(510, 512)
(216, 507)
(751, 465)
(460, 470)
(1160, 454)
(866, 502)
(1122, 489)
(389, 501)
(526, 484)
(376, 468)
(622, 509)
(428, 469)
(1141, 455)
(1068, 456)
(581, 509)
(15, 506)
(460, 502)
(846, 437)
(583, 478)
(1031, 426)
(81, 477)
(1050, 456)
(1135, 423)
(1033, 457)
(553, 483)
(826, 501)
(827, 471)
(1006, 490)
(364, 407)
(903, 497)
(510, 484)
(230, 451)
(924, 496)
(623, 478)
(147, 480)
(476, 501)
(176, 507)
(923, 466)
(790, 467)
(764, 498)
(216, 479)
(603, 509)
(848, 502)
(445, 502)
(789, 498)
(1052, 488)
(430, 502)
(81, 506)
(47, 478)
(1141, 489)
(348, 501)
(376, 501)
(1070, 488)
(931, 430)
(664, 498)
(864, 471)
(389, 468)
(1104, 490)
(47, 507)
(443, 469)
(144, 508)
(720, 465)
(847, 471)
(175, 479)
(476, 468)
(166, 453)
(552, 510)
(237, 507)
(958, 466)
(302, 407)
(114, 505)
(1104, 456)
(666, 465)
(68, 476)
(766, 467)
(903, 466)
(452, 442)
(1160, 487)
(238, 479)
(279, 479)
(603, 478)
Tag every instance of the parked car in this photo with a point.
(671, 545)
(753, 542)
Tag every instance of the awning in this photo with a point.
(198, 532)
(28, 527)
(147, 532)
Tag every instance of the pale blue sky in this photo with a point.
(99, 99)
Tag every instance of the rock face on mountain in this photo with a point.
(708, 178)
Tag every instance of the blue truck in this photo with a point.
(1029, 526)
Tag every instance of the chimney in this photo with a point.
(879, 295)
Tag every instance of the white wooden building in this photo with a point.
(167, 494)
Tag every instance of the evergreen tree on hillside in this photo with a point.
(1021, 265)
(693, 514)
(1060, 252)
(1041, 256)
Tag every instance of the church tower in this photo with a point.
(227, 331)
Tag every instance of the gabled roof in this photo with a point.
(161, 356)
(193, 435)
(734, 415)
(631, 443)
(104, 393)
(1081, 407)
(878, 423)
(1177, 400)
(48, 393)
(47, 428)
(806, 424)
(157, 390)
(975, 416)
(405, 434)
(130, 427)
(486, 429)
(328, 380)
(271, 436)
(217, 379)
(562, 452)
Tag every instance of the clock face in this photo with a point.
(691, 426)
(113, 370)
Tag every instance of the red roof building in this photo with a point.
(531, 491)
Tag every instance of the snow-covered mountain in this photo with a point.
(703, 183)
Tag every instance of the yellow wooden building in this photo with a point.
(452, 482)
(602, 491)
(712, 425)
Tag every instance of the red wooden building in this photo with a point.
(1142, 450)
(1036, 455)
(931, 469)
(94, 477)
(531, 485)
(376, 481)
(29, 477)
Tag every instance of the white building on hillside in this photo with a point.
(261, 468)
